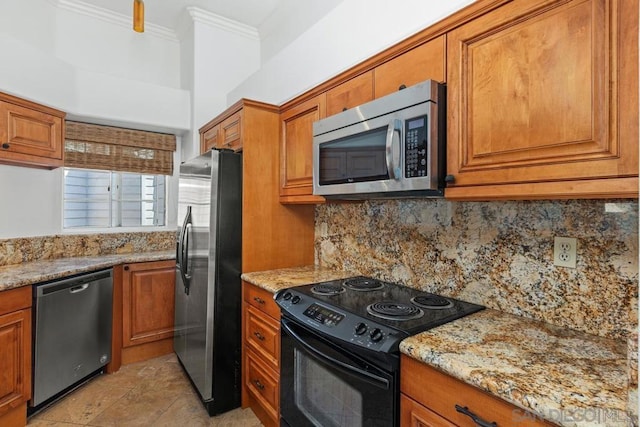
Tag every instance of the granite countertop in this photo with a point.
(274, 280)
(558, 373)
(28, 273)
(563, 375)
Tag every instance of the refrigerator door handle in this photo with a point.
(183, 250)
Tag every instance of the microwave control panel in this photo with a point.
(415, 147)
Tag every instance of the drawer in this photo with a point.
(261, 299)
(262, 383)
(15, 299)
(262, 334)
(441, 393)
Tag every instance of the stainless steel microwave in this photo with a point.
(393, 146)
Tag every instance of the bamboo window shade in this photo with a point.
(91, 146)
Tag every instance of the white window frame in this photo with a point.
(114, 229)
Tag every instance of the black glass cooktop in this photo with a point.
(404, 309)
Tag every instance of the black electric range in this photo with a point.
(368, 313)
(340, 358)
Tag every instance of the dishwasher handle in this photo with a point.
(77, 289)
(72, 284)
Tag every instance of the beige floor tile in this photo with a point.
(154, 393)
(84, 404)
(136, 408)
(187, 410)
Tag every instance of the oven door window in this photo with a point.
(324, 398)
(323, 385)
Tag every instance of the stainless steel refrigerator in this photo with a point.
(208, 255)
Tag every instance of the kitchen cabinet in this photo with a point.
(30, 134)
(424, 62)
(143, 312)
(223, 132)
(349, 94)
(15, 355)
(296, 150)
(543, 101)
(430, 398)
(261, 354)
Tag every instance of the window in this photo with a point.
(94, 198)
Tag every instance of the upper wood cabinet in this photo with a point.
(543, 101)
(30, 134)
(349, 94)
(223, 132)
(295, 151)
(424, 62)
(15, 355)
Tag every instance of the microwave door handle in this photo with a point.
(393, 149)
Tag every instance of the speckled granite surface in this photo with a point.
(16, 251)
(274, 280)
(498, 254)
(15, 276)
(560, 374)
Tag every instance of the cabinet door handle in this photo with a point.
(126, 268)
(259, 336)
(450, 179)
(258, 384)
(6, 145)
(476, 419)
(402, 87)
(258, 300)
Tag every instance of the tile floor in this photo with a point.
(154, 393)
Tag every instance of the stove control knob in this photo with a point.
(287, 296)
(295, 300)
(376, 335)
(361, 328)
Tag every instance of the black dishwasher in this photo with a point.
(72, 333)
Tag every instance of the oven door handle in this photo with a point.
(344, 367)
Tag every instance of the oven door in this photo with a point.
(321, 385)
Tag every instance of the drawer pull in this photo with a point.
(259, 336)
(6, 145)
(258, 300)
(476, 419)
(259, 384)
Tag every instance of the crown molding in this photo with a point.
(82, 8)
(226, 24)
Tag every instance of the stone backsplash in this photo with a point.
(16, 251)
(499, 254)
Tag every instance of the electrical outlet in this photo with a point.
(564, 251)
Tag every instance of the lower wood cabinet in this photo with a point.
(144, 306)
(15, 356)
(430, 397)
(261, 354)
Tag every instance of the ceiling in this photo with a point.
(166, 13)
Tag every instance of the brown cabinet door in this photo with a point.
(209, 139)
(15, 359)
(424, 62)
(350, 94)
(148, 296)
(231, 132)
(413, 414)
(29, 136)
(296, 159)
(543, 91)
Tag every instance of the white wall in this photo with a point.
(350, 33)
(91, 68)
(221, 54)
(94, 70)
